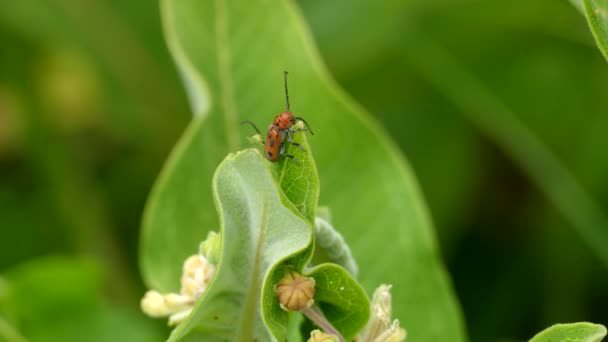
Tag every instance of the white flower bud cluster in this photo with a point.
(380, 328)
(197, 273)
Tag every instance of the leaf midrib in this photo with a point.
(246, 333)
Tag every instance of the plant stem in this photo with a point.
(314, 313)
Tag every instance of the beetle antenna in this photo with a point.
(252, 125)
(286, 92)
(306, 123)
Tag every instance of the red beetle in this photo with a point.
(280, 131)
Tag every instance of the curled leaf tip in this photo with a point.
(211, 247)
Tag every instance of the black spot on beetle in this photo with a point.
(272, 142)
(268, 153)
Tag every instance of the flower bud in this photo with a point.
(319, 336)
(196, 275)
(295, 291)
(379, 327)
(153, 304)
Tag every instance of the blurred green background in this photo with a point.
(91, 105)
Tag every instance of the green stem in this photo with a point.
(315, 315)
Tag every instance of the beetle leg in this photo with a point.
(298, 146)
(293, 159)
(305, 123)
(297, 130)
(288, 134)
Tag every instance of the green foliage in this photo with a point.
(573, 332)
(57, 299)
(299, 182)
(378, 207)
(263, 235)
(596, 12)
(90, 104)
(299, 179)
(330, 247)
(342, 300)
(495, 119)
(259, 228)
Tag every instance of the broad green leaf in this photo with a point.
(573, 332)
(180, 211)
(341, 299)
(597, 15)
(579, 5)
(259, 229)
(231, 56)
(596, 12)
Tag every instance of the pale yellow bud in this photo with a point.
(394, 333)
(153, 304)
(196, 275)
(319, 336)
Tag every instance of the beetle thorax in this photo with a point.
(284, 120)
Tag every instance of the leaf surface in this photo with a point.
(572, 332)
(596, 12)
(342, 300)
(231, 57)
(259, 229)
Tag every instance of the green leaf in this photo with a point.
(597, 15)
(341, 298)
(231, 57)
(330, 247)
(579, 5)
(596, 12)
(180, 211)
(573, 332)
(259, 228)
(300, 180)
(300, 184)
